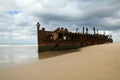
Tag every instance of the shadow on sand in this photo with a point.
(49, 54)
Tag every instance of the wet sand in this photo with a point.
(98, 62)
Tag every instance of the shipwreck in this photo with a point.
(62, 39)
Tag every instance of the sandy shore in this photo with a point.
(99, 62)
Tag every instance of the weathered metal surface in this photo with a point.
(62, 39)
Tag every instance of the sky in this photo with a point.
(19, 17)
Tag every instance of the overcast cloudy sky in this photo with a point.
(18, 17)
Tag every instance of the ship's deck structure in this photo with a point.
(62, 39)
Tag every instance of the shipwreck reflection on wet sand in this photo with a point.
(50, 54)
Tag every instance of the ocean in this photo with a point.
(17, 54)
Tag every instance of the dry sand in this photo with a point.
(99, 62)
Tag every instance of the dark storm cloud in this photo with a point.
(93, 13)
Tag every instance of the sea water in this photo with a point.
(17, 54)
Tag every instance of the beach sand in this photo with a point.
(98, 62)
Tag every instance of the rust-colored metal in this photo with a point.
(62, 39)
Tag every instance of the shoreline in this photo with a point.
(97, 62)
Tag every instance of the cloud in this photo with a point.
(18, 18)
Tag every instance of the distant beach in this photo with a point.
(97, 62)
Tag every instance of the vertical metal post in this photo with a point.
(83, 30)
(86, 30)
(94, 29)
(38, 26)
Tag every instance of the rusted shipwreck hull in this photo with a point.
(62, 39)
